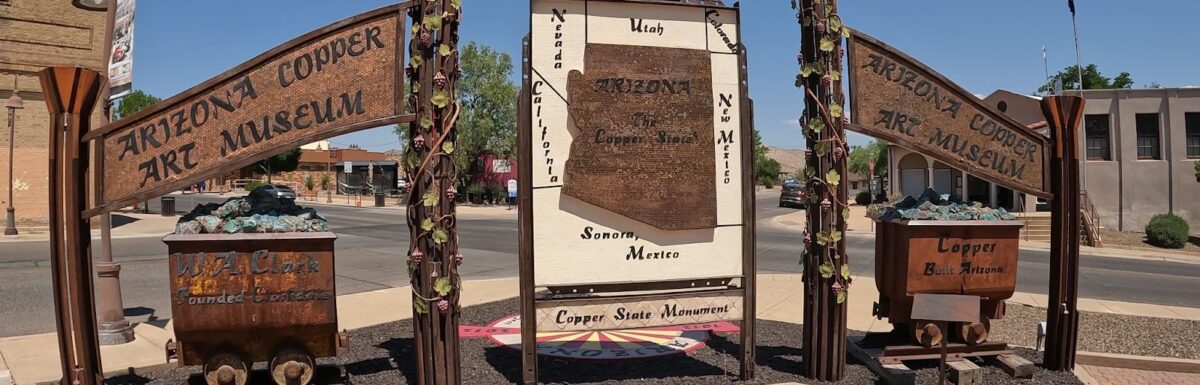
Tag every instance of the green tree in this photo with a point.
(488, 96)
(1198, 171)
(487, 122)
(132, 103)
(861, 158)
(281, 162)
(1092, 80)
(766, 170)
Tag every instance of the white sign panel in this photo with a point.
(120, 63)
(578, 242)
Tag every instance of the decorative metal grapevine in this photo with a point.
(432, 73)
(824, 130)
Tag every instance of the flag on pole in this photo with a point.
(1071, 5)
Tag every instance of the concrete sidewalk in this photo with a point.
(128, 225)
(857, 223)
(33, 359)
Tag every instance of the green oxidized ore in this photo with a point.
(931, 206)
(258, 212)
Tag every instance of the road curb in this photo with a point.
(1113, 252)
(1125, 361)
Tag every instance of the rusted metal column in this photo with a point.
(529, 356)
(71, 94)
(434, 256)
(110, 309)
(826, 274)
(1063, 114)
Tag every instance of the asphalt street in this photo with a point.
(371, 252)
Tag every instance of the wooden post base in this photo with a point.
(885, 355)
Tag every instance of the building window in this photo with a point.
(854, 185)
(1191, 121)
(1096, 129)
(1147, 136)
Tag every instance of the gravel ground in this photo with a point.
(382, 355)
(1109, 333)
(1138, 239)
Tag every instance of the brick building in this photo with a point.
(35, 34)
(317, 162)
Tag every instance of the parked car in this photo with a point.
(792, 194)
(280, 191)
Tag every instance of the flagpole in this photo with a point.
(1078, 62)
(1079, 67)
(1046, 67)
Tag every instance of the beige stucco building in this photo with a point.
(1140, 148)
(35, 34)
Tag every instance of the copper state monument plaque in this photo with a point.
(644, 147)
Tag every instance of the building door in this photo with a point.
(913, 175)
(980, 191)
(912, 182)
(1004, 198)
(943, 181)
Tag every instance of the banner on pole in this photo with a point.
(120, 62)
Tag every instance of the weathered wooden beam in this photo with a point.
(964, 372)
(1014, 365)
(891, 373)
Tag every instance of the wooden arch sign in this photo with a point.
(338, 79)
(342, 78)
(897, 98)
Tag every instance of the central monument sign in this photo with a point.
(636, 163)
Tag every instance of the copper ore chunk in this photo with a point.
(645, 143)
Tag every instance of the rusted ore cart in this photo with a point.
(253, 297)
(957, 249)
(969, 257)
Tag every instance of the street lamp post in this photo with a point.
(14, 103)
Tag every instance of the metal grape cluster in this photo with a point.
(830, 119)
(430, 156)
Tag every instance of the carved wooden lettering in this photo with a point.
(632, 313)
(896, 98)
(336, 80)
(645, 146)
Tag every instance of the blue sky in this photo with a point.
(982, 45)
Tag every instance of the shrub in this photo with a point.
(767, 182)
(863, 198)
(1167, 230)
(309, 182)
(255, 185)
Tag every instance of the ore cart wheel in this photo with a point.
(226, 368)
(973, 333)
(292, 366)
(926, 333)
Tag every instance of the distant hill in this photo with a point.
(790, 159)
